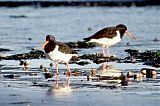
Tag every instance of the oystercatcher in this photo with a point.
(58, 52)
(109, 36)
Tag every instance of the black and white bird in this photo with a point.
(58, 52)
(109, 36)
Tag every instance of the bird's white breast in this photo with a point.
(58, 56)
(107, 41)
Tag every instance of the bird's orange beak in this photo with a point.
(130, 34)
(45, 44)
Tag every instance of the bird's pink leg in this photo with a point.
(68, 81)
(69, 74)
(103, 53)
(56, 73)
(108, 55)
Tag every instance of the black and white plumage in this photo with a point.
(58, 52)
(109, 36)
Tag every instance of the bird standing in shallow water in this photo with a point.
(109, 36)
(59, 53)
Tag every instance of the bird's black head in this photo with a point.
(50, 38)
(50, 43)
(121, 28)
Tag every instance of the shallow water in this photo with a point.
(71, 24)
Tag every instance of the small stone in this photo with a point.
(45, 69)
(93, 72)
(41, 67)
(29, 38)
(48, 75)
(156, 40)
(89, 28)
(51, 64)
(127, 43)
(21, 62)
(82, 63)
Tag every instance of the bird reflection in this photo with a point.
(60, 92)
(109, 74)
(60, 89)
(109, 71)
(58, 84)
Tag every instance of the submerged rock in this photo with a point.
(149, 57)
(4, 50)
(156, 40)
(146, 55)
(18, 16)
(11, 76)
(81, 44)
(35, 54)
(155, 63)
(48, 75)
(107, 86)
(83, 63)
(98, 58)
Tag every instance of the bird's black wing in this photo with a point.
(108, 32)
(64, 48)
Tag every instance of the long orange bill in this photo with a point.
(45, 44)
(130, 35)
